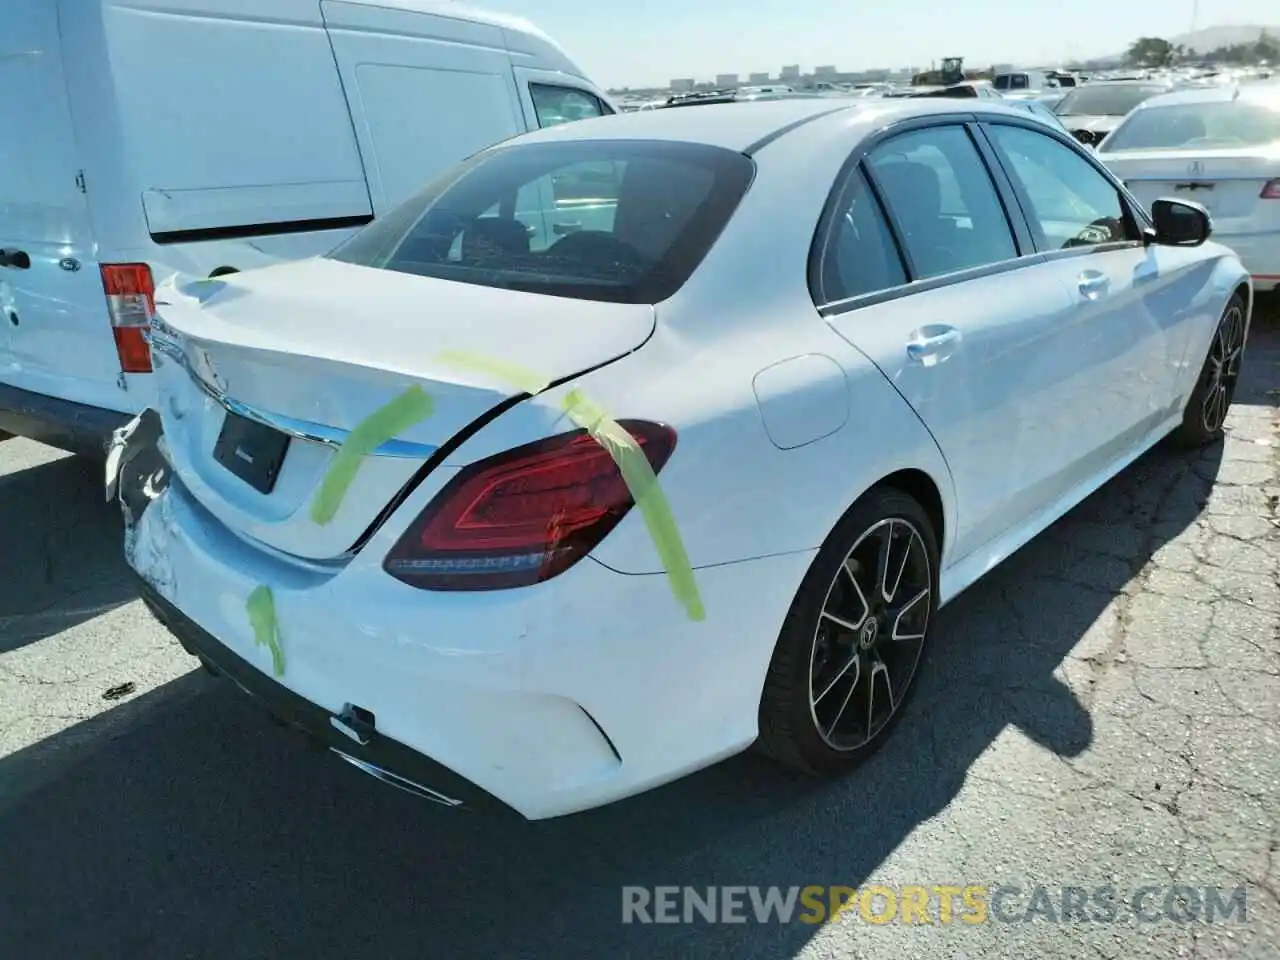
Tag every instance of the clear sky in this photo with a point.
(647, 42)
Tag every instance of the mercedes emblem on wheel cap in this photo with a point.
(870, 631)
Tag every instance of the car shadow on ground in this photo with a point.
(182, 824)
(62, 561)
(191, 827)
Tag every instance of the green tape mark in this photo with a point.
(652, 502)
(261, 607)
(411, 407)
(509, 374)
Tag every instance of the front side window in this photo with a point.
(942, 201)
(614, 220)
(1072, 203)
(555, 105)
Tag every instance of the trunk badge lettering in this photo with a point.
(1195, 168)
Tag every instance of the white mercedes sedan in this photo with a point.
(634, 442)
(1217, 146)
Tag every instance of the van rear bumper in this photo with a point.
(74, 427)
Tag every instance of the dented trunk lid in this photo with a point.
(312, 349)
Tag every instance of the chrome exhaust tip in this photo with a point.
(397, 781)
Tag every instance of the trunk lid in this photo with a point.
(1226, 183)
(313, 348)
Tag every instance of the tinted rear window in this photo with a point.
(1105, 99)
(1216, 126)
(616, 220)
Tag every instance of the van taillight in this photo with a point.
(131, 303)
(523, 516)
(1272, 190)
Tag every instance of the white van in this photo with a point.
(139, 138)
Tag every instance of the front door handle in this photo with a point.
(933, 344)
(17, 259)
(1093, 284)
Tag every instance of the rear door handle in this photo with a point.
(1093, 284)
(933, 344)
(565, 228)
(17, 259)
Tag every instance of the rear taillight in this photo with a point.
(1272, 190)
(523, 516)
(131, 303)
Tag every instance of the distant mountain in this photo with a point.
(1211, 38)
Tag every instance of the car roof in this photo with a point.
(455, 11)
(1129, 82)
(745, 126)
(1225, 93)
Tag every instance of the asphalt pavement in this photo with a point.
(1102, 711)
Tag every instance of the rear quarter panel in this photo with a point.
(735, 495)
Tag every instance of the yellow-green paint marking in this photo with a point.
(411, 407)
(261, 607)
(647, 494)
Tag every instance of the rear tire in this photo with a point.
(850, 648)
(1207, 408)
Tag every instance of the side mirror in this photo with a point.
(1180, 223)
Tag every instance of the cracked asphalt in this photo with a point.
(1103, 710)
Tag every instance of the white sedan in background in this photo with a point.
(1220, 147)
(868, 348)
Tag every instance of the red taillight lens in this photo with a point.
(131, 303)
(1272, 190)
(523, 516)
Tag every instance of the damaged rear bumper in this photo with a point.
(378, 755)
(138, 474)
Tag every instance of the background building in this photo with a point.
(791, 72)
(758, 78)
(683, 85)
(726, 80)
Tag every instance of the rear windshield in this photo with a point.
(622, 221)
(1190, 125)
(1105, 99)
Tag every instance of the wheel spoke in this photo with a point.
(844, 704)
(892, 591)
(854, 661)
(852, 579)
(883, 561)
(878, 669)
(899, 612)
(842, 623)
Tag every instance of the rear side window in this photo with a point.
(1072, 203)
(613, 220)
(556, 105)
(942, 200)
(861, 256)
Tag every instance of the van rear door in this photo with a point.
(426, 90)
(57, 337)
